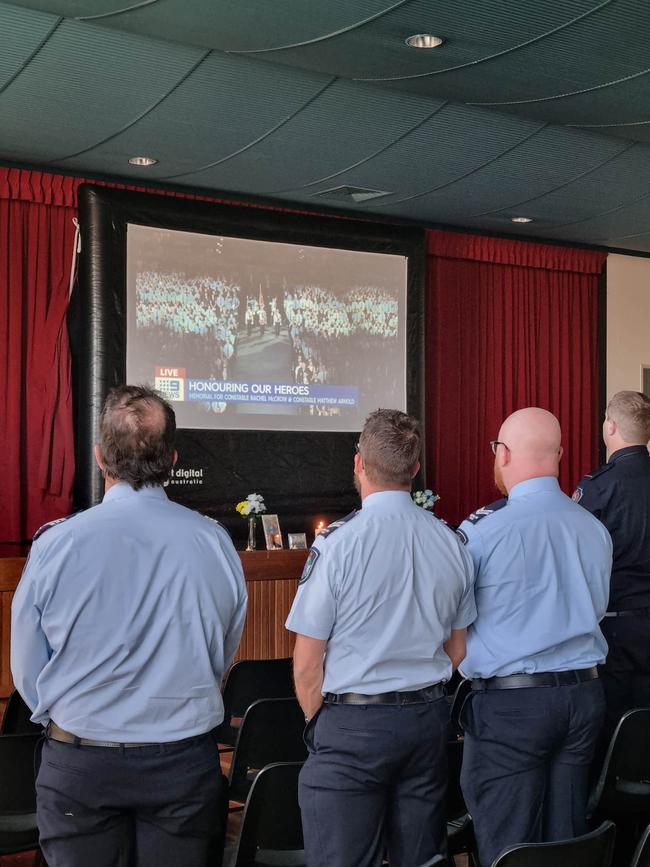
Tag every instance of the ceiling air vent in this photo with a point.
(351, 194)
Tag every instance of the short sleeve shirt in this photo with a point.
(385, 590)
(543, 568)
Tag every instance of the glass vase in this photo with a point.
(252, 534)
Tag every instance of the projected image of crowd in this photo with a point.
(335, 339)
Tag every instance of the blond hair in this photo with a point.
(631, 412)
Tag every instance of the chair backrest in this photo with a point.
(17, 773)
(16, 719)
(591, 850)
(271, 731)
(251, 679)
(641, 857)
(271, 819)
(624, 782)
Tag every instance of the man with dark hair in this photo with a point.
(618, 494)
(123, 624)
(381, 614)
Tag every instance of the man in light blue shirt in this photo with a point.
(536, 707)
(381, 613)
(123, 624)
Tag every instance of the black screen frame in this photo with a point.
(301, 473)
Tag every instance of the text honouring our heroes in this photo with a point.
(259, 392)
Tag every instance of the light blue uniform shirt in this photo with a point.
(543, 566)
(125, 619)
(385, 589)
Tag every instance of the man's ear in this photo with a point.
(560, 453)
(358, 464)
(174, 458)
(416, 470)
(610, 427)
(98, 458)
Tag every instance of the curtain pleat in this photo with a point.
(508, 326)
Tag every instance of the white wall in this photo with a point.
(628, 321)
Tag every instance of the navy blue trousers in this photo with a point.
(376, 777)
(525, 775)
(159, 806)
(626, 673)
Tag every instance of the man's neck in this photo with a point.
(374, 489)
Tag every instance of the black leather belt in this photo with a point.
(417, 696)
(546, 678)
(630, 612)
(56, 733)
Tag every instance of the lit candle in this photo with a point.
(319, 528)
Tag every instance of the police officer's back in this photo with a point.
(618, 494)
(124, 621)
(536, 705)
(380, 614)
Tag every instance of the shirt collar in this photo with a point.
(534, 486)
(122, 491)
(626, 452)
(394, 498)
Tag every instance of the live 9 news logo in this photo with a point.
(170, 382)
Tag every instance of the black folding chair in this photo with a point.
(641, 857)
(623, 786)
(250, 680)
(271, 829)
(271, 731)
(16, 719)
(18, 829)
(591, 850)
(622, 790)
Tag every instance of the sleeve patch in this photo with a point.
(312, 557)
(462, 535)
(577, 495)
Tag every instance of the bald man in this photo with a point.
(532, 719)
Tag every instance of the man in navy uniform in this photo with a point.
(123, 624)
(536, 706)
(618, 494)
(381, 614)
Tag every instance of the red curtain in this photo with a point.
(36, 242)
(509, 324)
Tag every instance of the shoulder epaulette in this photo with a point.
(337, 524)
(49, 526)
(484, 511)
(599, 471)
(449, 527)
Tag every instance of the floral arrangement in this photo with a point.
(427, 499)
(252, 505)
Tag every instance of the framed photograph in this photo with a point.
(297, 540)
(272, 534)
(645, 379)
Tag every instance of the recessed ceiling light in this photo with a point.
(143, 161)
(424, 40)
(521, 219)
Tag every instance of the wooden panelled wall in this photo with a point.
(271, 579)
